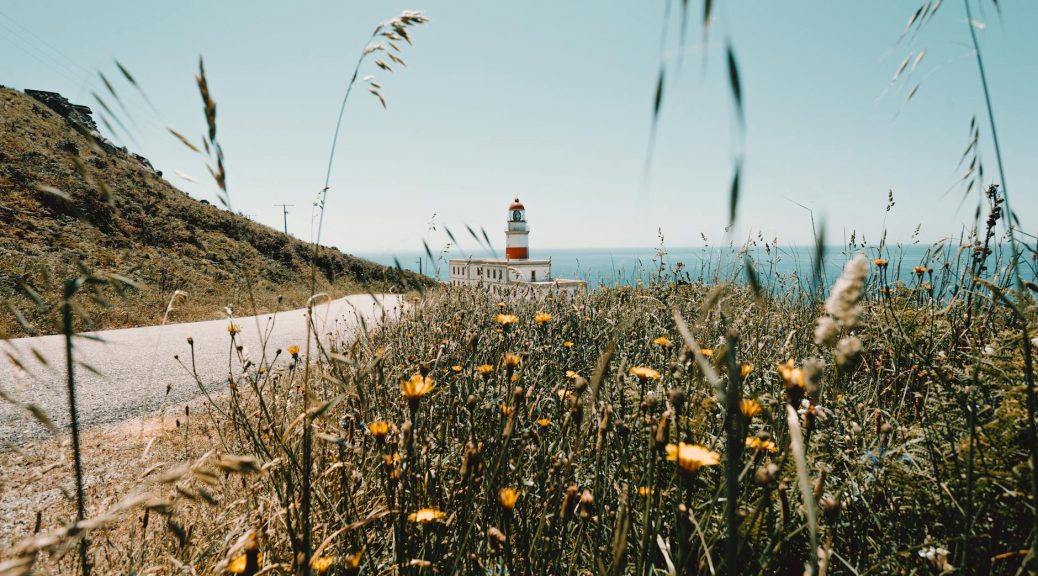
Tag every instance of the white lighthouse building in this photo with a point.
(516, 271)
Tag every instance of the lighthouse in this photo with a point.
(516, 273)
(517, 243)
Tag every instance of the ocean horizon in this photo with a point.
(629, 266)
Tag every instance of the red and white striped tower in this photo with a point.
(517, 244)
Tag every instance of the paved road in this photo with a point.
(137, 364)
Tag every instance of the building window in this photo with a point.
(533, 275)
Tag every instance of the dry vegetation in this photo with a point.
(121, 216)
(665, 429)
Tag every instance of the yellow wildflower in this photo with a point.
(567, 344)
(542, 318)
(321, 564)
(543, 422)
(755, 443)
(426, 515)
(293, 350)
(233, 329)
(792, 377)
(512, 360)
(506, 409)
(745, 369)
(506, 320)
(880, 262)
(416, 386)
(706, 352)
(662, 341)
(378, 428)
(508, 497)
(749, 407)
(456, 368)
(237, 566)
(645, 373)
(485, 369)
(691, 457)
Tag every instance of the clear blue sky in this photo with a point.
(551, 101)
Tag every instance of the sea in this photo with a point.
(784, 266)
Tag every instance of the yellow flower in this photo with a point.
(567, 344)
(881, 262)
(508, 497)
(792, 377)
(644, 373)
(646, 491)
(587, 318)
(749, 407)
(691, 457)
(293, 350)
(391, 459)
(512, 360)
(426, 515)
(920, 270)
(706, 352)
(542, 318)
(352, 561)
(378, 428)
(745, 369)
(237, 566)
(262, 370)
(662, 341)
(500, 304)
(506, 319)
(485, 369)
(233, 329)
(755, 443)
(416, 386)
(456, 368)
(506, 409)
(380, 352)
(543, 422)
(321, 564)
(572, 374)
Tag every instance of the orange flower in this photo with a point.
(567, 344)
(293, 350)
(758, 444)
(456, 368)
(485, 369)
(543, 422)
(542, 318)
(662, 341)
(745, 369)
(880, 262)
(706, 352)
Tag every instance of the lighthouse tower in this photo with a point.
(517, 244)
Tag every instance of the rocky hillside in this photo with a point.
(68, 201)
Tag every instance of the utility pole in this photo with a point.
(284, 210)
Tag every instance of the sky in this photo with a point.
(552, 102)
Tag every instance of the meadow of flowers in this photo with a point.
(673, 428)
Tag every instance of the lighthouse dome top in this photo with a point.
(517, 205)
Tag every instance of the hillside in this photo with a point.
(145, 229)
